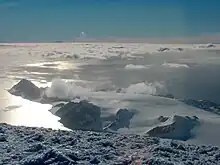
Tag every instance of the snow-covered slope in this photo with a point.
(38, 146)
(185, 122)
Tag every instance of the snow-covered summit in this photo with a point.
(34, 146)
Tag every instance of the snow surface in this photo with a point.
(40, 146)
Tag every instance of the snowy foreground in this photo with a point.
(38, 146)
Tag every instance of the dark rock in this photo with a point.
(73, 156)
(180, 49)
(3, 138)
(163, 49)
(82, 116)
(203, 104)
(119, 90)
(107, 144)
(177, 145)
(35, 137)
(35, 148)
(127, 149)
(55, 140)
(59, 105)
(95, 161)
(209, 45)
(162, 119)
(170, 96)
(50, 157)
(179, 129)
(123, 114)
(123, 117)
(75, 56)
(2, 130)
(26, 89)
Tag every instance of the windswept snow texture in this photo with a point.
(38, 146)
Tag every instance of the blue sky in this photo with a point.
(49, 20)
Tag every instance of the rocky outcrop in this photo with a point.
(180, 49)
(163, 49)
(39, 146)
(179, 129)
(209, 45)
(206, 105)
(86, 116)
(80, 116)
(203, 104)
(162, 119)
(26, 89)
(170, 96)
(122, 120)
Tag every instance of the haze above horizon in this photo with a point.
(66, 20)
